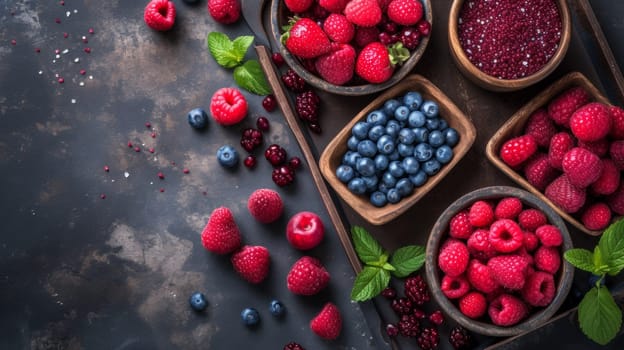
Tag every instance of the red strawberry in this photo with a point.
(509, 271)
(481, 214)
(373, 63)
(506, 235)
(609, 179)
(507, 310)
(338, 28)
(616, 200)
(539, 289)
(252, 263)
(221, 234)
(405, 12)
(228, 106)
(306, 39)
(541, 127)
(454, 287)
(363, 13)
(530, 219)
(549, 235)
(539, 172)
(480, 277)
(298, 6)
(591, 122)
(307, 276)
(459, 226)
(616, 152)
(517, 150)
(596, 217)
(565, 195)
(224, 11)
(160, 14)
(473, 305)
(617, 122)
(479, 245)
(547, 259)
(453, 258)
(560, 144)
(561, 108)
(337, 66)
(599, 147)
(265, 205)
(327, 324)
(581, 167)
(365, 35)
(508, 208)
(334, 6)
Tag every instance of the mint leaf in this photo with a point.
(240, 45)
(222, 50)
(599, 264)
(407, 260)
(581, 259)
(369, 283)
(366, 247)
(599, 316)
(250, 77)
(612, 247)
(388, 267)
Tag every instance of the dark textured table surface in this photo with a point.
(78, 271)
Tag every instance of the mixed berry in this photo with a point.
(198, 301)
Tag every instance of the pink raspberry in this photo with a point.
(549, 235)
(561, 108)
(530, 219)
(599, 148)
(508, 208)
(479, 245)
(480, 277)
(565, 195)
(581, 167)
(530, 241)
(616, 152)
(453, 258)
(617, 122)
(596, 216)
(509, 270)
(591, 122)
(454, 287)
(459, 226)
(539, 289)
(541, 127)
(473, 305)
(609, 179)
(507, 310)
(616, 200)
(560, 144)
(539, 172)
(481, 214)
(506, 235)
(517, 150)
(547, 259)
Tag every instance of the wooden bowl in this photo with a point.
(489, 82)
(279, 17)
(515, 127)
(439, 232)
(332, 155)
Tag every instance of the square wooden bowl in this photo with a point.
(332, 155)
(515, 127)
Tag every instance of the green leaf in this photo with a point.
(250, 77)
(366, 247)
(407, 260)
(581, 259)
(612, 247)
(241, 44)
(369, 283)
(388, 267)
(599, 316)
(222, 50)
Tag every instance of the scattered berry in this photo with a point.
(416, 290)
(429, 337)
(389, 293)
(283, 175)
(250, 317)
(251, 139)
(460, 338)
(293, 346)
(250, 161)
(278, 59)
(402, 306)
(227, 156)
(159, 15)
(307, 276)
(221, 234)
(409, 326)
(436, 317)
(276, 308)
(198, 301)
(252, 263)
(473, 305)
(293, 81)
(275, 154)
(327, 324)
(224, 11)
(265, 205)
(269, 103)
(263, 124)
(228, 106)
(307, 106)
(392, 330)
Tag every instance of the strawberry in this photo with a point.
(373, 63)
(581, 167)
(616, 200)
(252, 263)
(363, 13)
(560, 144)
(221, 234)
(539, 289)
(334, 6)
(507, 310)
(561, 108)
(327, 324)
(565, 195)
(609, 179)
(541, 127)
(405, 12)
(224, 11)
(160, 15)
(305, 38)
(596, 216)
(616, 152)
(307, 276)
(538, 171)
(509, 271)
(338, 28)
(265, 205)
(617, 122)
(298, 6)
(337, 66)
(591, 122)
(517, 150)
(228, 106)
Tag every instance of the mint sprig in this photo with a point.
(599, 316)
(231, 54)
(379, 266)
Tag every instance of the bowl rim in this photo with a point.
(564, 281)
(492, 83)
(349, 90)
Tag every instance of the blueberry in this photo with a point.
(419, 178)
(345, 173)
(407, 136)
(198, 301)
(383, 188)
(381, 162)
(197, 118)
(360, 130)
(401, 113)
(405, 187)
(376, 132)
(452, 136)
(378, 199)
(394, 155)
(250, 316)
(227, 156)
(393, 196)
(350, 158)
(430, 109)
(412, 100)
(370, 182)
(443, 124)
(422, 134)
(357, 185)
(444, 154)
(392, 128)
(365, 166)
(411, 165)
(367, 148)
(436, 138)
(431, 167)
(377, 117)
(432, 123)
(416, 119)
(405, 150)
(388, 179)
(276, 308)
(352, 143)
(390, 106)
(385, 145)
(423, 152)
(396, 169)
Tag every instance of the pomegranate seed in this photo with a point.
(278, 59)
(61, 80)
(148, 125)
(137, 149)
(424, 27)
(62, 3)
(153, 135)
(151, 150)
(161, 175)
(37, 50)
(57, 20)
(262, 123)
(106, 168)
(294, 162)
(186, 171)
(250, 161)
(83, 72)
(389, 293)
(103, 196)
(162, 190)
(57, 51)
(65, 35)
(87, 49)
(269, 103)
(85, 40)
(91, 31)
(129, 144)
(13, 42)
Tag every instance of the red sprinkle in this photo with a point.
(37, 50)
(91, 31)
(129, 144)
(62, 3)
(162, 190)
(153, 135)
(85, 40)
(57, 20)
(13, 42)
(83, 72)
(151, 150)
(61, 80)
(57, 51)
(106, 168)
(148, 125)
(186, 171)
(103, 196)
(65, 35)
(161, 175)
(137, 149)
(87, 49)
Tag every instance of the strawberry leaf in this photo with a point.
(369, 283)
(599, 316)
(366, 247)
(612, 247)
(222, 50)
(407, 260)
(250, 77)
(581, 259)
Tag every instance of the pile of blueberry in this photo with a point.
(397, 148)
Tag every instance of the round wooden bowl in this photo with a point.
(489, 82)
(358, 87)
(563, 278)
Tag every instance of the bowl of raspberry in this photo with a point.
(351, 47)
(494, 261)
(508, 45)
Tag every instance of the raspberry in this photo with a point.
(539, 289)
(453, 258)
(541, 127)
(561, 108)
(517, 150)
(327, 324)
(539, 172)
(508, 208)
(616, 200)
(283, 175)
(363, 13)
(428, 339)
(251, 139)
(581, 167)
(530, 219)
(228, 106)
(335, 6)
(365, 35)
(609, 179)
(389, 293)
(338, 28)
(454, 287)
(275, 154)
(560, 144)
(307, 276)
(159, 15)
(224, 11)
(410, 37)
(221, 234)
(409, 326)
(547, 259)
(507, 310)
(298, 6)
(307, 106)
(565, 195)
(616, 152)
(392, 330)
(405, 12)
(265, 205)
(460, 338)
(530, 241)
(596, 217)
(509, 270)
(436, 317)
(293, 346)
(473, 305)
(402, 306)
(591, 122)
(459, 226)
(617, 122)
(479, 245)
(549, 235)
(481, 214)
(599, 147)
(252, 263)
(480, 277)
(416, 290)
(293, 81)
(278, 59)
(506, 235)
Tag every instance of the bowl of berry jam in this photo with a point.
(494, 261)
(355, 48)
(508, 45)
(396, 149)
